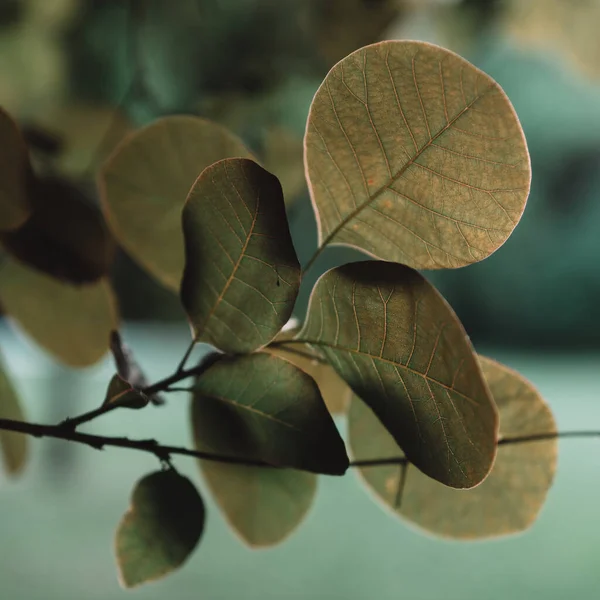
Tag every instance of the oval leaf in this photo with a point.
(71, 322)
(261, 407)
(262, 505)
(400, 347)
(414, 155)
(335, 391)
(65, 236)
(15, 175)
(144, 184)
(508, 501)
(241, 274)
(160, 530)
(13, 446)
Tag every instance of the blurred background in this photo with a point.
(79, 74)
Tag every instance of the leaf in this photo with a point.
(334, 390)
(260, 407)
(415, 156)
(508, 501)
(262, 505)
(87, 132)
(161, 528)
(144, 184)
(65, 236)
(15, 173)
(13, 446)
(400, 347)
(71, 322)
(122, 393)
(128, 368)
(241, 274)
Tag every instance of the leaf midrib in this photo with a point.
(233, 271)
(402, 170)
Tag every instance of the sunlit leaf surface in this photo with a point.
(511, 497)
(161, 528)
(146, 180)
(71, 322)
(241, 274)
(263, 506)
(400, 347)
(415, 156)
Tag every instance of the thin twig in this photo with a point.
(164, 453)
(190, 349)
(99, 442)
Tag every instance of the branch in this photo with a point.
(99, 442)
(164, 385)
(164, 453)
(537, 437)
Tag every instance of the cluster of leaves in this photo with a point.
(413, 156)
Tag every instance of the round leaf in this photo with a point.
(15, 173)
(261, 407)
(241, 274)
(262, 505)
(414, 155)
(400, 347)
(144, 184)
(13, 446)
(511, 497)
(65, 236)
(71, 322)
(160, 530)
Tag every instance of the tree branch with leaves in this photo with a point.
(413, 156)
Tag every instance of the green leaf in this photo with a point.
(335, 391)
(15, 175)
(65, 237)
(508, 501)
(261, 407)
(414, 155)
(400, 347)
(160, 530)
(241, 274)
(262, 505)
(71, 322)
(144, 184)
(13, 446)
(122, 393)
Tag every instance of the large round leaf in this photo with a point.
(392, 337)
(262, 505)
(414, 155)
(508, 501)
(144, 184)
(262, 407)
(241, 273)
(15, 174)
(65, 236)
(161, 528)
(13, 446)
(71, 322)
